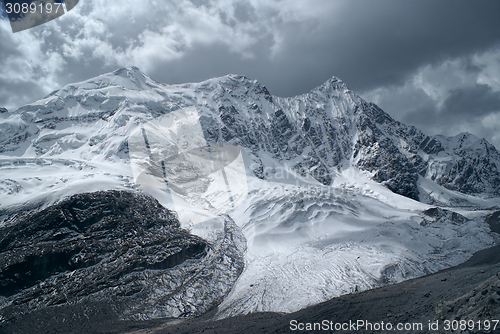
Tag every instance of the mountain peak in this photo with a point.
(236, 80)
(319, 130)
(132, 79)
(128, 72)
(228, 80)
(237, 77)
(127, 76)
(333, 83)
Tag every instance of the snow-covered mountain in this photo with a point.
(321, 132)
(338, 195)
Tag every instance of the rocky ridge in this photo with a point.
(119, 247)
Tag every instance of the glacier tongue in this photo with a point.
(331, 194)
(307, 243)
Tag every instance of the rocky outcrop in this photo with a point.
(321, 130)
(121, 247)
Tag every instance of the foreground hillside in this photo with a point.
(469, 291)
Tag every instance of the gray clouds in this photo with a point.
(479, 99)
(456, 95)
(416, 59)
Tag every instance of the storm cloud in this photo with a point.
(419, 60)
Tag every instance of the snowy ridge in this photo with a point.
(320, 131)
(338, 192)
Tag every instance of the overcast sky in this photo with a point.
(432, 64)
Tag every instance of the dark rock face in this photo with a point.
(3, 110)
(471, 175)
(380, 155)
(398, 154)
(118, 246)
(494, 221)
(322, 130)
(438, 214)
(90, 228)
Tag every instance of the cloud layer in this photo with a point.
(421, 60)
(456, 95)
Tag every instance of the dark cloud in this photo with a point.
(476, 101)
(475, 109)
(245, 12)
(378, 48)
(368, 44)
(7, 45)
(374, 43)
